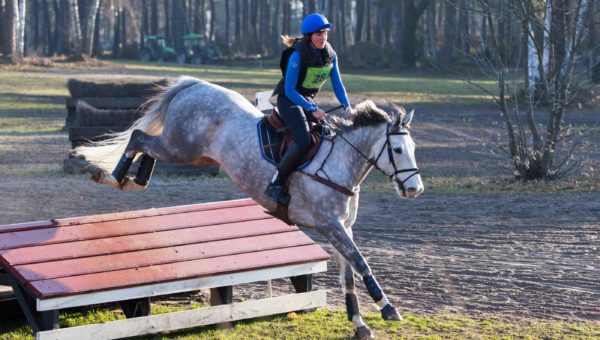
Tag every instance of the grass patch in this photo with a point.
(485, 185)
(377, 182)
(330, 324)
(32, 172)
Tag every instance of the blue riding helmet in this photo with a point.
(315, 22)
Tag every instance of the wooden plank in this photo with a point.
(71, 221)
(137, 259)
(132, 226)
(191, 318)
(183, 285)
(88, 283)
(114, 245)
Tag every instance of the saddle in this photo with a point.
(275, 138)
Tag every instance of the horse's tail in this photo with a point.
(105, 154)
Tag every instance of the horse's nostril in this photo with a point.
(411, 190)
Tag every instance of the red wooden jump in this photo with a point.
(88, 254)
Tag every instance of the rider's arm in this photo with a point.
(291, 79)
(338, 86)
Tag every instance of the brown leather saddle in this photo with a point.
(275, 138)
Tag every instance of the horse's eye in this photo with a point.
(398, 150)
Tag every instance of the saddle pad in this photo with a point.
(270, 141)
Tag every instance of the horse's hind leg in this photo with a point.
(142, 177)
(152, 148)
(342, 242)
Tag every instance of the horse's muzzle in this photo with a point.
(412, 192)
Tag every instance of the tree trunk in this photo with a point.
(96, 51)
(36, 25)
(245, 26)
(90, 26)
(21, 23)
(312, 6)
(368, 24)
(412, 13)
(144, 28)
(237, 29)
(227, 37)
(178, 24)
(449, 31)
(253, 26)
(62, 29)
(10, 20)
(47, 28)
(213, 15)
(116, 50)
(124, 12)
(153, 17)
(75, 29)
(463, 26)
(275, 40)
(265, 27)
(397, 11)
(432, 33)
(342, 27)
(360, 9)
(168, 24)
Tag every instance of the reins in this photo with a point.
(371, 161)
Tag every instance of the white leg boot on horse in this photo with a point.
(144, 173)
(116, 178)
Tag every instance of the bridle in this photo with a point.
(373, 162)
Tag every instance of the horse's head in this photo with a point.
(394, 152)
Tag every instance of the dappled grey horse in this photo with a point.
(192, 118)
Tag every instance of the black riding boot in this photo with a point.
(289, 162)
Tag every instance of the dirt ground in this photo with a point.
(510, 254)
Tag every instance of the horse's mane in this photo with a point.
(367, 114)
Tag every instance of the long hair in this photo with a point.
(289, 40)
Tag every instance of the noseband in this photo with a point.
(394, 175)
(373, 162)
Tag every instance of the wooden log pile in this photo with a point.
(95, 110)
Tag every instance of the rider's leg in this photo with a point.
(295, 120)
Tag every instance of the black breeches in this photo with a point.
(295, 120)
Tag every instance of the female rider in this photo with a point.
(306, 64)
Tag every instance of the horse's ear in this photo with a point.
(399, 113)
(410, 117)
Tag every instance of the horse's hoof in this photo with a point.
(130, 185)
(363, 333)
(106, 178)
(390, 313)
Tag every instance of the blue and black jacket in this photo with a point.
(305, 69)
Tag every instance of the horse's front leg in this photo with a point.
(342, 242)
(352, 305)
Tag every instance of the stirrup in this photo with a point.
(278, 194)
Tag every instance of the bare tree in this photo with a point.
(21, 23)
(537, 150)
(90, 26)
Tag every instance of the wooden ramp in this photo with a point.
(132, 256)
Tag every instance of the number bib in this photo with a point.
(316, 76)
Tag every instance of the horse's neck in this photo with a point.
(356, 166)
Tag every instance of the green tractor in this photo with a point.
(156, 50)
(199, 51)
